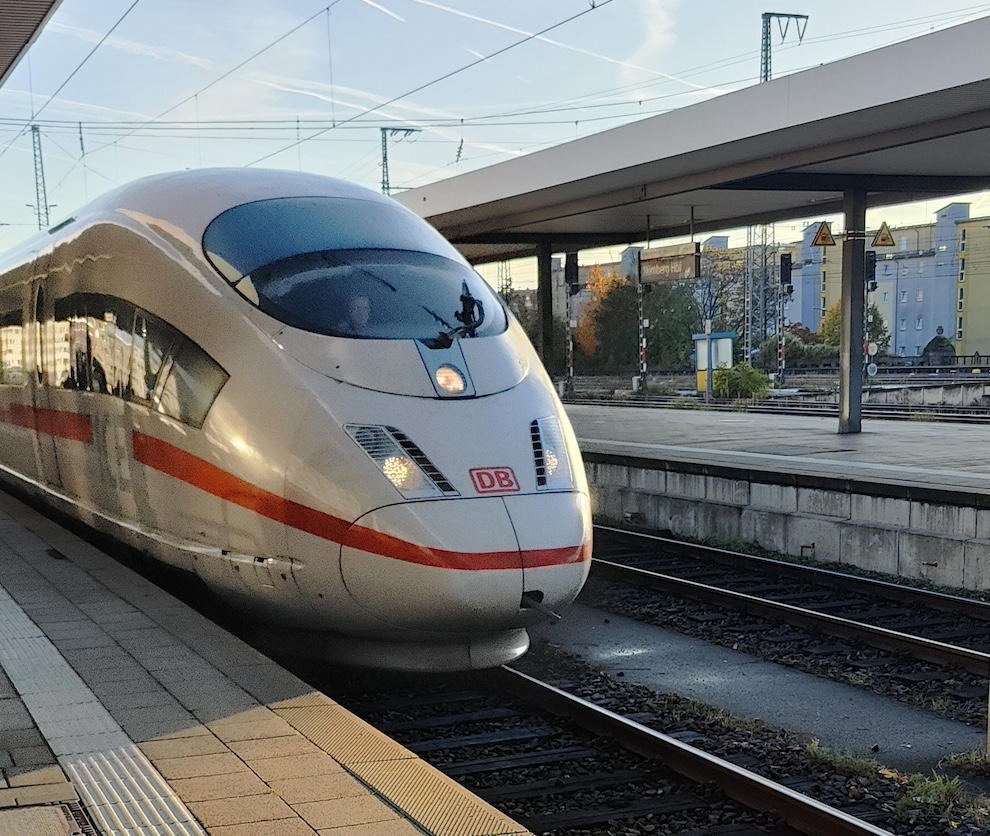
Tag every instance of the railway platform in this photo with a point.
(936, 456)
(907, 498)
(123, 711)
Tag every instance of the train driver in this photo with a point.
(358, 316)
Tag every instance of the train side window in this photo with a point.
(92, 343)
(110, 322)
(12, 347)
(194, 380)
(153, 341)
(72, 355)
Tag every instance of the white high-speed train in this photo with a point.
(298, 390)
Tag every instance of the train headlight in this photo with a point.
(451, 380)
(552, 462)
(553, 470)
(401, 461)
(403, 473)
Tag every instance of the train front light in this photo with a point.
(401, 461)
(553, 471)
(450, 380)
(402, 472)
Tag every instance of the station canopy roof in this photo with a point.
(20, 23)
(906, 122)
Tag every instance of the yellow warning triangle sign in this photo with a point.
(883, 238)
(823, 238)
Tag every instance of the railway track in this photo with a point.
(945, 636)
(560, 764)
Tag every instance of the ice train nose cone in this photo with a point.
(457, 565)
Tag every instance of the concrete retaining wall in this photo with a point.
(943, 536)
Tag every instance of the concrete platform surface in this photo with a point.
(120, 700)
(914, 453)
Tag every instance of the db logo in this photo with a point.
(494, 480)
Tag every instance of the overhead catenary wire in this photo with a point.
(592, 109)
(79, 66)
(582, 103)
(599, 4)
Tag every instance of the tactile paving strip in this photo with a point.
(409, 783)
(122, 791)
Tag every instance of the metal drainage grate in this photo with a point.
(75, 813)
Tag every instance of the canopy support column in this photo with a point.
(544, 292)
(852, 314)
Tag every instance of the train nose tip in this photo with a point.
(449, 565)
(457, 565)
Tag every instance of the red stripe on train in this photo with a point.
(71, 425)
(193, 470)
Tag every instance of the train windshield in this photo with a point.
(352, 268)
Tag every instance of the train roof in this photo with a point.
(193, 198)
(189, 200)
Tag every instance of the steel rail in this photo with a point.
(754, 791)
(811, 574)
(928, 650)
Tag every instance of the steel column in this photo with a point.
(544, 292)
(853, 296)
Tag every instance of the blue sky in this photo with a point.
(290, 84)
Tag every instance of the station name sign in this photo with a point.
(675, 263)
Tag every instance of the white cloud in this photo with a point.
(158, 53)
(657, 21)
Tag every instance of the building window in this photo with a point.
(959, 328)
(917, 350)
(962, 269)
(886, 296)
(823, 281)
(921, 296)
(961, 300)
(919, 323)
(824, 307)
(962, 240)
(904, 296)
(903, 325)
(902, 351)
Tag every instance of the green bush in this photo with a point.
(741, 381)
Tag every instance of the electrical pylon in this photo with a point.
(41, 195)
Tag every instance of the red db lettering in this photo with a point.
(494, 480)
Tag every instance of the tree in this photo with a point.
(675, 317)
(876, 330)
(721, 289)
(617, 329)
(800, 353)
(830, 331)
(600, 284)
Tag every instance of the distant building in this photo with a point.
(917, 280)
(937, 276)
